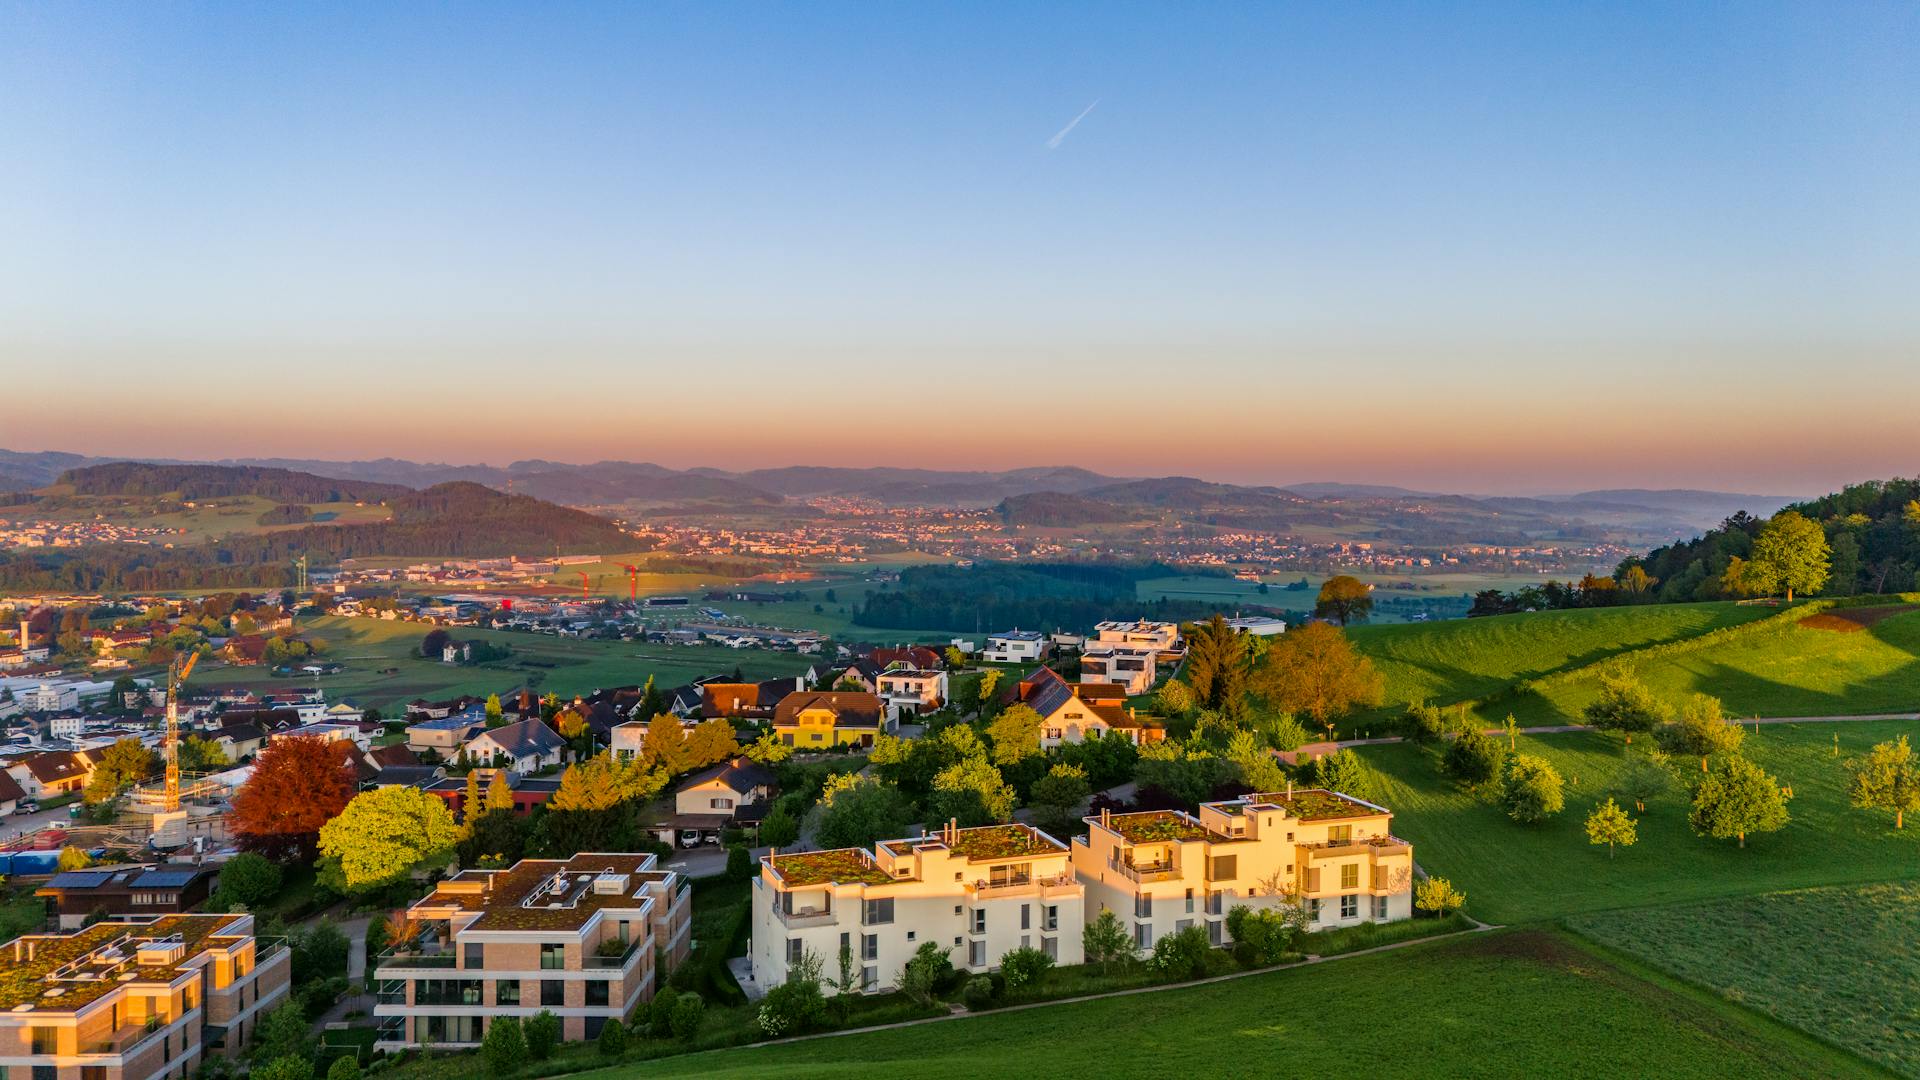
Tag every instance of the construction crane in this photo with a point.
(585, 588)
(633, 581)
(177, 673)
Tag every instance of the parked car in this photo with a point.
(27, 806)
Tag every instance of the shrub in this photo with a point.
(249, 879)
(1531, 789)
(660, 1013)
(613, 1039)
(288, 1067)
(1474, 758)
(1260, 937)
(1425, 722)
(739, 863)
(505, 1045)
(687, 1013)
(1437, 894)
(1183, 954)
(542, 1031)
(1024, 969)
(283, 1033)
(345, 1067)
(978, 993)
(791, 1008)
(928, 974)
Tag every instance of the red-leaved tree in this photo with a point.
(297, 786)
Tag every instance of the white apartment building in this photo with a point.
(912, 691)
(1159, 636)
(1162, 871)
(978, 893)
(1015, 647)
(1127, 654)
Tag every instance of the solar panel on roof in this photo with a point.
(78, 879)
(166, 879)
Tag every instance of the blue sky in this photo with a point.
(1435, 244)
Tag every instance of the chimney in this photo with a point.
(1106, 816)
(1289, 789)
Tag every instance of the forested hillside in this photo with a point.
(222, 481)
(1038, 596)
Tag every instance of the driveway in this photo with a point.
(12, 826)
(705, 861)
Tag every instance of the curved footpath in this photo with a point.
(1312, 750)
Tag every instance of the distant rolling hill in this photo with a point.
(136, 478)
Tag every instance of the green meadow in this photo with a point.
(1516, 873)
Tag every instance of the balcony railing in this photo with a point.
(807, 917)
(124, 1040)
(403, 957)
(1011, 886)
(1378, 846)
(1150, 872)
(596, 962)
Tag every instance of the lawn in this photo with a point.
(1510, 1004)
(1515, 873)
(1855, 987)
(384, 670)
(1787, 669)
(1469, 659)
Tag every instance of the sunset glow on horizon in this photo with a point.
(1499, 249)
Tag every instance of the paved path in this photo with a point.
(1312, 750)
(354, 1000)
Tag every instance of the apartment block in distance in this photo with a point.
(135, 1000)
(977, 893)
(583, 938)
(1127, 654)
(1162, 871)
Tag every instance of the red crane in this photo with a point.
(633, 582)
(584, 593)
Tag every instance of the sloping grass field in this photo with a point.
(384, 668)
(1839, 963)
(1507, 1004)
(1517, 873)
(1469, 659)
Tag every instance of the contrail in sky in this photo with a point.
(1054, 143)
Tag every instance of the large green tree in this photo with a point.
(1216, 664)
(1888, 778)
(1737, 798)
(1625, 704)
(1531, 789)
(1702, 730)
(1315, 671)
(384, 834)
(858, 811)
(1015, 734)
(1790, 554)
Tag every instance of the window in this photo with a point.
(1380, 909)
(846, 944)
(1143, 935)
(877, 912)
(1181, 925)
(1217, 902)
(1050, 946)
(720, 804)
(553, 957)
(553, 992)
(1213, 934)
(979, 921)
(45, 1040)
(1350, 876)
(795, 949)
(1052, 920)
(1189, 901)
(977, 954)
(1224, 867)
(476, 955)
(506, 992)
(1026, 916)
(1339, 834)
(597, 992)
(1315, 906)
(1349, 907)
(869, 946)
(593, 1026)
(1143, 907)
(869, 977)
(447, 991)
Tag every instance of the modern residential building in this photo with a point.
(823, 718)
(135, 1000)
(145, 889)
(1130, 667)
(583, 937)
(912, 691)
(1258, 625)
(1162, 871)
(1015, 647)
(977, 893)
(445, 735)
(1159, 636)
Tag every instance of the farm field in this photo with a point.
(1517, 873)
(1468, 659)
(1855, 988)
(368, 647)
(1438, 588)
(1396, 1014)
(227, 516)
(1849, 661)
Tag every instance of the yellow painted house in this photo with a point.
(829, 718)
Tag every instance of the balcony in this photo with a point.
(1015, 886)
(1378, 847)
(617, 962)
(427, 957)
(1165, 871)
(795, 920)
(126, 1040)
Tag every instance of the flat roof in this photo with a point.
(547, 894)
(1157, 826)
(841, 866)
(1315, 804)
(84, 965)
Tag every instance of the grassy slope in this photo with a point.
(1513, 873)
(368, 646)
(1449, 1009)
(1856, 987)
(1467, 659)
(1786, 670)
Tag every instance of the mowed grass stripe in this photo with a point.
(1505, 1004)
(1842, 963)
